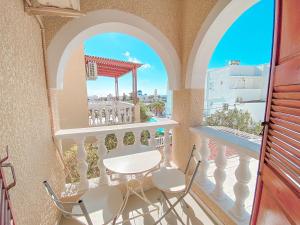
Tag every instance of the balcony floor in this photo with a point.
(193, 215)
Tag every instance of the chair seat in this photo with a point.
(102, 204)
(169, 180)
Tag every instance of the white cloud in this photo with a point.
(127, 53)
(130, 58)
(146, 66)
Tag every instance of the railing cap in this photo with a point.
(239, 143)
(96, 131)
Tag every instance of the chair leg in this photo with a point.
(169, 210)
(174, 210)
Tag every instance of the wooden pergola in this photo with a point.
(115, 69)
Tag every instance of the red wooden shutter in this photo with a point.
(277, 197)
(6, 215)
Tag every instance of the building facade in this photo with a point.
(240, 86)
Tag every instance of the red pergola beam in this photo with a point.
(113, 68)
(116, 68)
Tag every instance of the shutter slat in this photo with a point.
(286, 103)
(291, 126)
(286, 110)
(284, 130)
(285, 146)
(287, 88)
(286, 139)
(280, 169)
(289, 118)
(284, 152)
(287, 95)
(292, 167)
(286, 171)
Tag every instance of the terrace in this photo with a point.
(47, 111)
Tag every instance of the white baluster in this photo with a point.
(204, 153)
(101, 152)
(130, 114)
(93, 117)
(100, 116)
(107, 115)
(82, 164)
(241, 189)
(152, 138)
(118, 114)
(120, 140)
(122, 115)
(220, 174)
(166, 162)
(137, 137)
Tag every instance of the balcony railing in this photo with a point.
(80, 135)
(110, 112)
(216, 178)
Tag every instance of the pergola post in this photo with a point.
(117, 88)
(134, 85)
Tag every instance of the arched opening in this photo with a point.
(233, 70)
(102, 21)
(68, 51)
(216, 24)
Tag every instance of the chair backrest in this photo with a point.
(190, 159)
(193, 177)
(60, 205)
(195, 169)
(54, 197)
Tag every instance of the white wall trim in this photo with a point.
(222, 16)
(72, 34)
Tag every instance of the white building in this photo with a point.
(237, 85)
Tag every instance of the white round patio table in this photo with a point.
(132, 161)
(138, 162)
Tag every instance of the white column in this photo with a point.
(167, 149)
(152, 138)
(120, 139)
(82, 164)
(204, 153)
(241, 189)
(220, 174)
(101, 152)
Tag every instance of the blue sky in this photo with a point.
(248, 40)
(123, 47)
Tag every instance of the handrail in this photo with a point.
(246, 145)
(94, 131)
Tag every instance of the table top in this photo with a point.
(132, 161)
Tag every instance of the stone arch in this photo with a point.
(222, 16)
(102, 21)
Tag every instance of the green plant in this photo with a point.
(70, 158)
(144, 112)
(234, 118)
(157, 107)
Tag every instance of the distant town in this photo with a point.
(161, 109)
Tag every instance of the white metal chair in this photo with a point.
(97, 206)
(172, 180)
